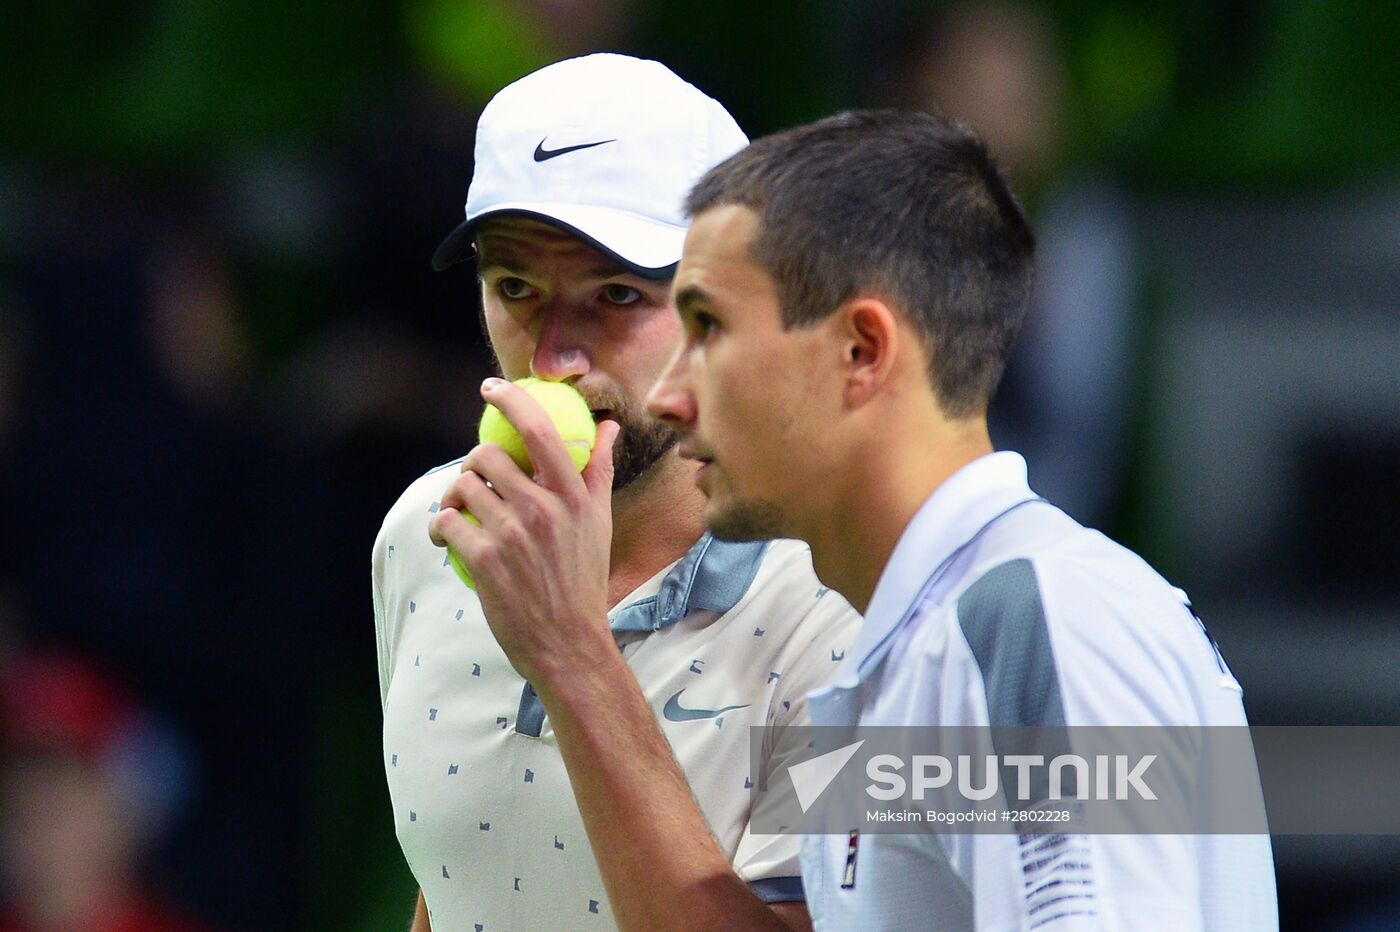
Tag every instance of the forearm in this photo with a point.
(660, 864)
(420, 916)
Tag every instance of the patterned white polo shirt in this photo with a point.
(730, 636)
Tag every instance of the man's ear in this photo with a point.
(870, 332)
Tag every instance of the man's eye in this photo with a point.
(621, 294)
(513, 288)
(705, 324)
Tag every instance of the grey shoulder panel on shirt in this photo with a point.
(1003, 619)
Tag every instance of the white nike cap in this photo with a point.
(605, 147)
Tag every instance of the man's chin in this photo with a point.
(744, 521)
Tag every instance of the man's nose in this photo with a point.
(670, 399)
(560, 351)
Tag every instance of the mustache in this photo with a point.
(606, 400)
(623, 410)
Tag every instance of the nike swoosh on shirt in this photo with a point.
(675, 712)
(543, 155)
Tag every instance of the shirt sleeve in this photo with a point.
(1130, 653)
(382, 635)
(1057, 643)
(405, 525)
(770, 863)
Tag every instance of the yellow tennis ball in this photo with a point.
(458, 566)
(571, 417)
(565, 407)
(460, 569)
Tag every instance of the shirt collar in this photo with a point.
(712, 576)
(948, 519)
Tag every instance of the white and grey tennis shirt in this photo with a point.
(1033, 620)
(730, 636)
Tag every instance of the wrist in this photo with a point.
(588, 673)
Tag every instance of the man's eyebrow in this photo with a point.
(496, 262)
(610, 270)
(486, 257)
(688, 296)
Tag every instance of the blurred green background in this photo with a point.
(218, 325)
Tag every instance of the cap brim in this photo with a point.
(644, 247)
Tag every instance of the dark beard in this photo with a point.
(642, 442)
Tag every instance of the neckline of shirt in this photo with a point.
(956, 511)
(713, 575)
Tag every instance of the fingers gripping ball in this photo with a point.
(571, 417)
(565, 407)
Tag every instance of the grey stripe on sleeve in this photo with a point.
(1003, 620)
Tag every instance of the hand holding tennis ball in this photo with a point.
(571, 417)
(565, 407)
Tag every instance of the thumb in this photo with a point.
(598, 476)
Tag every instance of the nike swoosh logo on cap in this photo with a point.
(674, 712)
(543, 155)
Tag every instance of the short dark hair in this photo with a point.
(901, 204)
